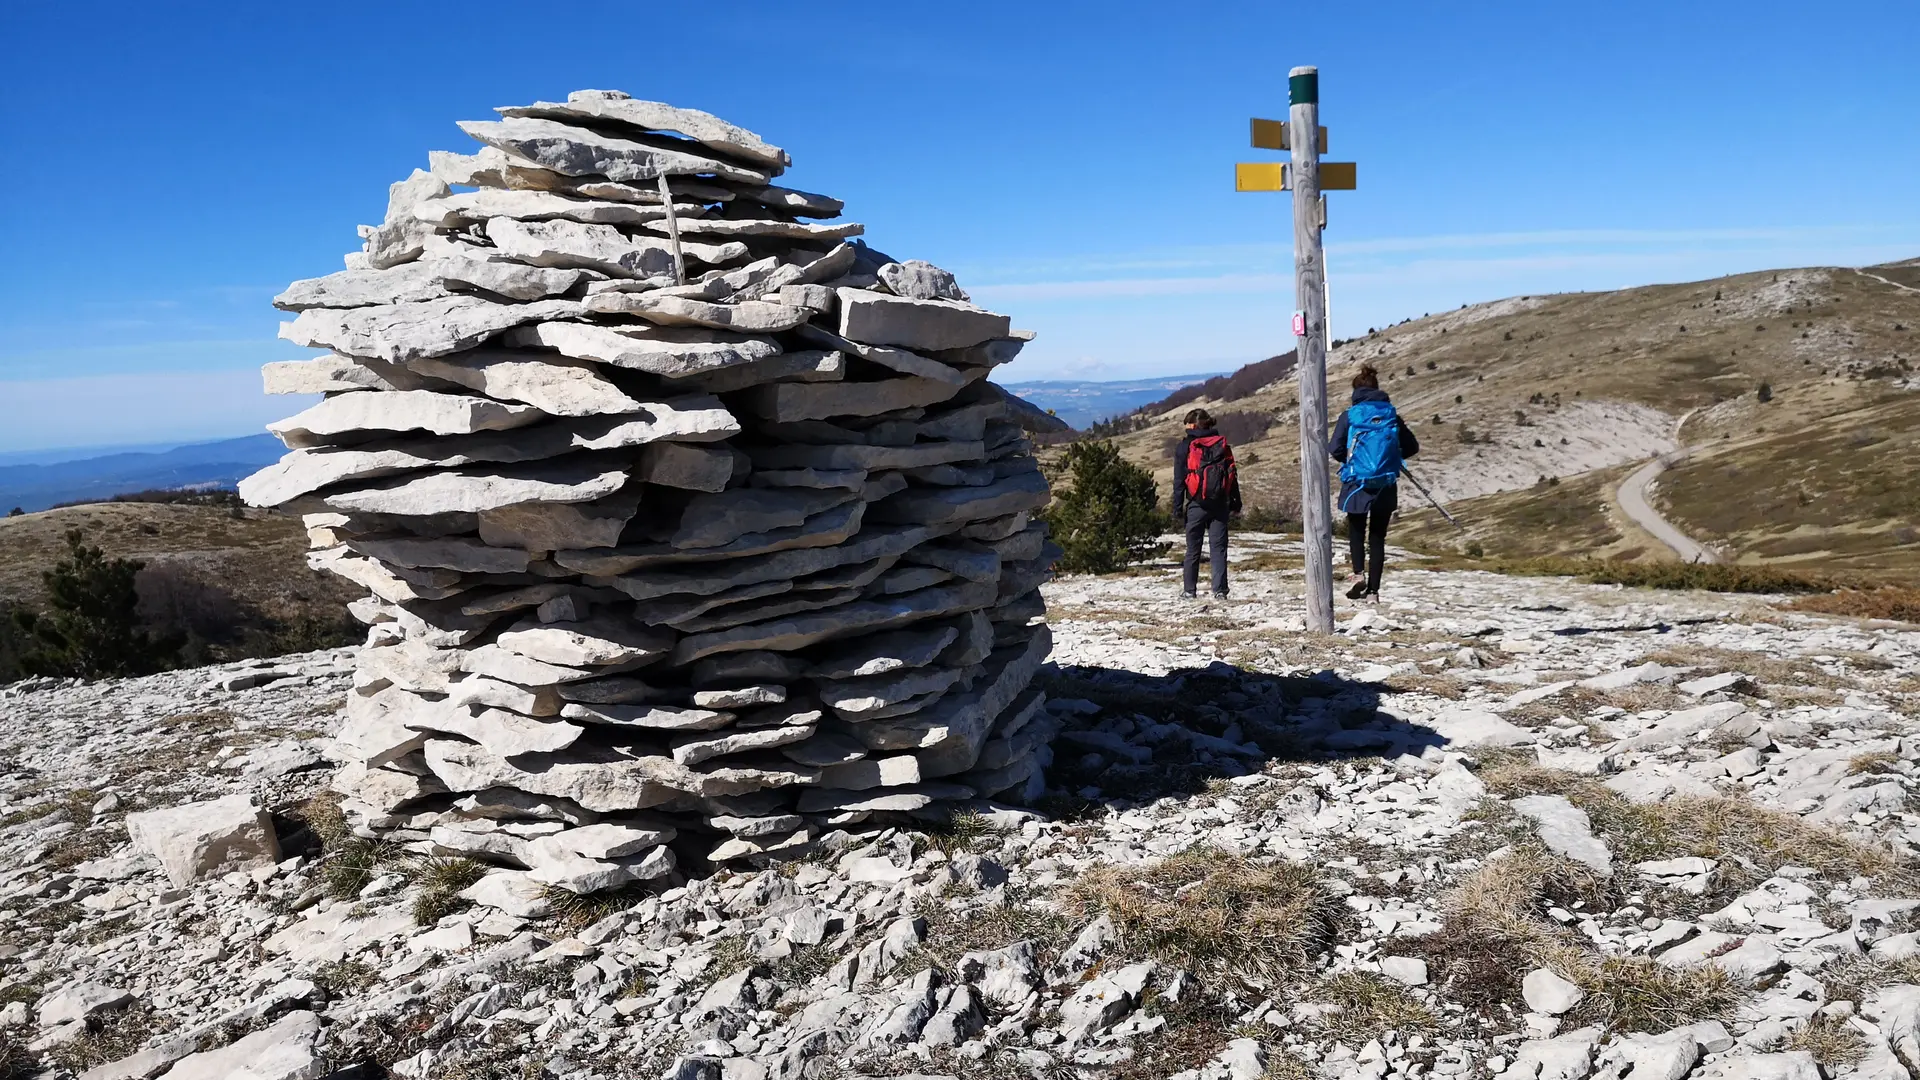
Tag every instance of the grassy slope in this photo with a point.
(1611, 373)
(258, 561)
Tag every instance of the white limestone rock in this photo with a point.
(410, 331)
(407, 283)
(879, 319)
(691, 468)
(599, 642)
(576, 151)
(745, 316)
(615, 107)
(917, 279)
(287, 1049)
(670, 353)
(478, 491)
(561, 244)
(788, 402)
(463, 207)
(405, 410)
(206, 839)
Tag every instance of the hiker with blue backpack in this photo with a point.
(1370, 442)
(1206, 491)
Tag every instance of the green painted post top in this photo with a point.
(1303, 86)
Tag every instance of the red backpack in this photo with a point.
(1210, 469)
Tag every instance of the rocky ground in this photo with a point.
(1512, 826)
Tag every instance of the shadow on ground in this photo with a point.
(1183, 732)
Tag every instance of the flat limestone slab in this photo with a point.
(670, 353)
(707, 579)
(745, 316)
(880, 319)
(495, 168)
(860, 456)
(603, 781)
(696, 419)
(511, 280)
(402, 332)
(612, 106)
(800, 631)
(790, 402)
(322, 375)
(711, 520)
(573, 151)
(408, 282)
(402, 410)
(1022, 491)
(452, 210)
(557, 386)
(576, 245)
(476, 490)
(596, 642)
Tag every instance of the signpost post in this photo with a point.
(1307, 176)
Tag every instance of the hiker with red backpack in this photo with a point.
(1370, 442)
(1206, 490)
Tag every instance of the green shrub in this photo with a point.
(1109, 517)
(93, 629)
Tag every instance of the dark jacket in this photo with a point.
(1180, 479)
(1352, 498)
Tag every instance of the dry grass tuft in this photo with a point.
(342, 977)
(1492, 932)
(350, 866)
(576, 912)
(1206, 908)
(16, 1063)
(1880, 761)
(1894, 603)
(1831, 1041)
(1370, 1006)
(1634, 993)
(441, 880)
(109, 1038)
(1713, 827)
(952, 933)
(1855, 978)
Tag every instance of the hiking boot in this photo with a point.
(1219, 596)
(1357, 590)
(1189, 596)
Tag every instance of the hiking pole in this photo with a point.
(1422, 489)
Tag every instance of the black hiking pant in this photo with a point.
(1367, 536)
(1211, 526)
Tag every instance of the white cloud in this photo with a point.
(1107, 316)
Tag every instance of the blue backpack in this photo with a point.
(1373, 446)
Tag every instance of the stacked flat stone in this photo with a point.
(693, 529)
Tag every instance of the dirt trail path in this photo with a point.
(1884, 281)
(1632, 497)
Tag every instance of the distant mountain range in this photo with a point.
(42, 484)
(1082, 402)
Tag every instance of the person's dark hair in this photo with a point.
(1199, 418)
(1366, 377)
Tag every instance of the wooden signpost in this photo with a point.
(1306, 176)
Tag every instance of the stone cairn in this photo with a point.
(693, 530)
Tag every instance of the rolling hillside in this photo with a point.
(1532, 409)
(233, 585)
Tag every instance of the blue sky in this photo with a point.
(170, 167)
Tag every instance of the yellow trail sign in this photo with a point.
(1260, 176)
(1272, 135)
(1337, 176)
